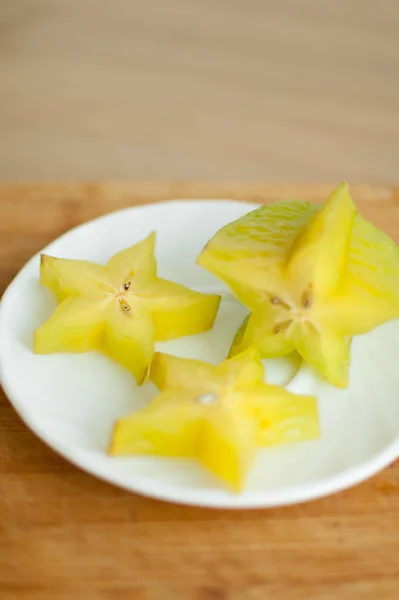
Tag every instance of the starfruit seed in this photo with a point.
(205, 399)
(306, 299)
(283, 326)
(278, 302)
(125, 306)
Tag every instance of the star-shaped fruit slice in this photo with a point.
(218, 415)
(120, 309)
(312, 277)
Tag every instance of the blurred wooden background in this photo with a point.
(178, 89)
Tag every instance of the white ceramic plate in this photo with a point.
(72, 401)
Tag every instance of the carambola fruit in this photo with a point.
(218, 415)
(312, 277)
(120, 309)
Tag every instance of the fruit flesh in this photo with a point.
(312, 277)
(218, 415)
(176, 310)
(318, 255)
(129, 341)
(121, 309)
(74, 327)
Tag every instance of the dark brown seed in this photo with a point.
(125, 306)
(127, 285)
(306, 298)
(282, 326)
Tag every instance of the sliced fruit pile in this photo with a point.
(120, 309)
(312, 278)
(218, 415)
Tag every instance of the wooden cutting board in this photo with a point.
(65, 535)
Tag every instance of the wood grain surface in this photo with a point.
(276, 90)
(65, 535)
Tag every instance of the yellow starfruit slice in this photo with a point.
(120, 309)
(312, 277)
(218, 415)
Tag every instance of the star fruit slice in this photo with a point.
(120, 309)
(312, 277)
(218, 415)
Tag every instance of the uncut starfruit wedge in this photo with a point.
(120, 309)
(218, 415)
(312, 277)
